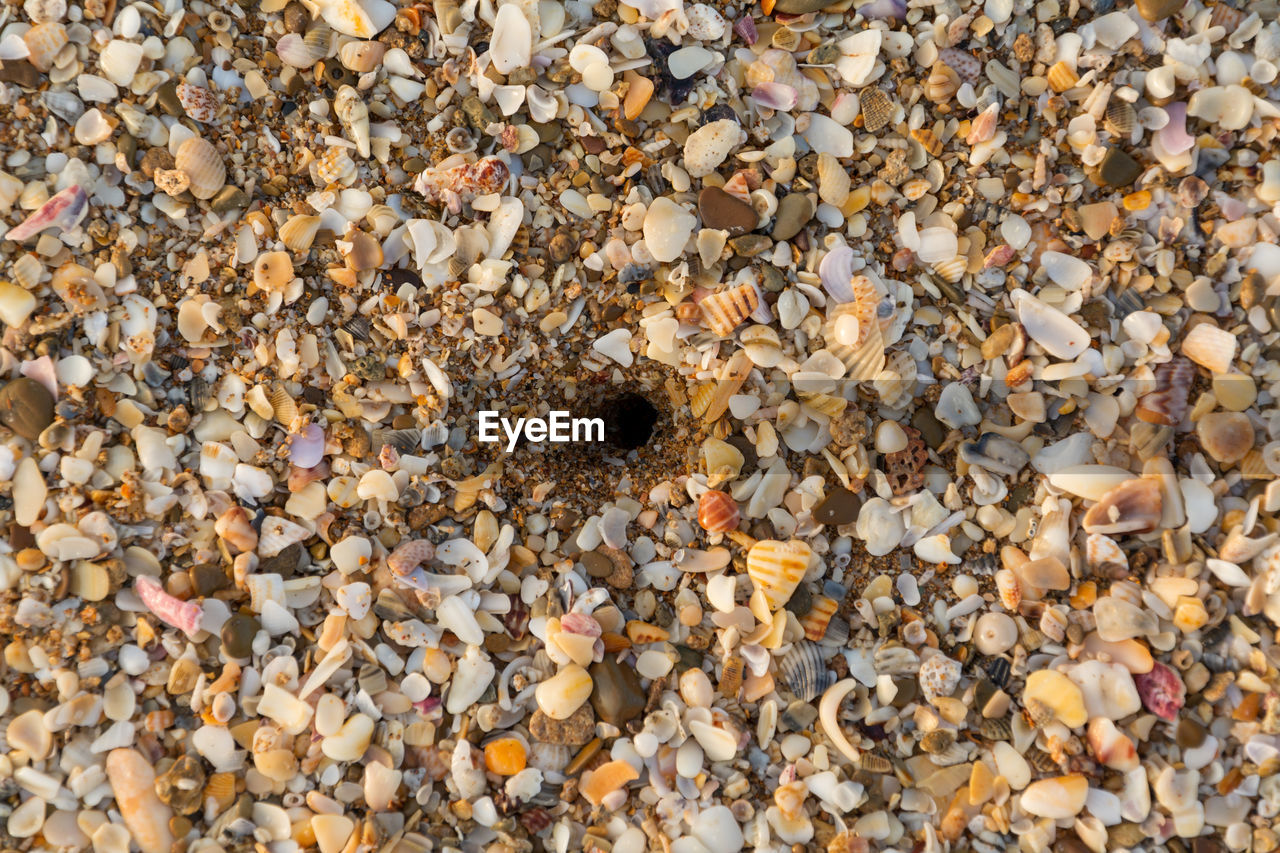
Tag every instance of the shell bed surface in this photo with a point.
(937, 347)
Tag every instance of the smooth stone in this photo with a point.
(800, 7)
(617, 695)
(1158, 10)
(26, 407)
(237, 635)
(840, 506)
(578, 729)
(722, 211)
(1118, 169)
(794, 212)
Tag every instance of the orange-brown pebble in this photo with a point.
(717, 512)
(504, 756)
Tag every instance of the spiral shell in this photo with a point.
(717, 512)
(203, 166)
(304, 51)
(44, 42)
(777, 567)
(362, 56)
(1009, 588)
(1061, 77)
(722, 312)
(877, 109)
(942, 83)
(804, 671)
(299, 232)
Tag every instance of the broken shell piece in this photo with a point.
(776, 568)
(1226, 436)
(1131, 507)
(1056, 798)
(1210, 347)
(1058, 693)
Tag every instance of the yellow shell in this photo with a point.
(203, 165)
(723, 311)
(272, 271)
(731, 677)
(1254, 467)
(785, 39)
(642, 632)
(1061, 77)
(826, 404)
(833, 181)
(777, 567)
(221, 788)
(283, 405)
(819, 616)
(299, 232)
(928, 140)
(700, 399)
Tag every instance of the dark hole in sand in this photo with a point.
(630, 420)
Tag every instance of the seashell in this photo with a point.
(1121, 118)
(833, 181)
(939, 676)
(299, 232)
(44, 42)
(938, 741)
(777, 567)
(1009, 589)
(549, 757)
(815, 622)
(805, 672)
(563, 693)
(983, 128)
(1103, 551)
(928, 140)
(953, 270)
(775, 96)
(1167, 404)
(203, 165)
(1226, 436)
(461, 180)
(220, 789)
(1061, 77)
(1057, 798)
(64, 105)
(877, 109)
(1134, 506)
(272, 271)
(353, 112)
(335, 166)
(199, 103)
(717, 512)
(304, 51)
(306, 446)
(63, 211)
(942, 83)
(283, 406)
(1226, 16)
(78, 288)
(278, 533)
(27, 271)
(362, 56)
(963, 63)
(724, 311)
(1058, 334)
(896, 383)
(731, 675)
(997, 729)
(1210, 347)
(365, 252)
(236, 529)
(995, 452)
(836, 272)
(1162, 691)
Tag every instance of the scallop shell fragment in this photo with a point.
(203, 166)
(724, 311)
(805, 672)
(1210, 347)
(776, 568)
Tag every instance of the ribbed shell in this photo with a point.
(804, 671)
(943, 82)
(877, 110)
(928, 140)
(717, 512)
(335, 166)
(203, 166)
(833, 181)
(304, 51)
(722, 312)
(1121, 118)
(283, 405)
(731, 677)
(27, 271)
(44, 43)
(1061, 77)
(819, 616)
(777, 567)
(897, 381)
(299, 232)
(952, 270)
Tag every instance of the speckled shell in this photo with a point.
(805, 672)
(44, 42)
(731, 677)
(777, 567)
(819, 616)
(877, 109)
(1009, 589)
(200, 103)
(722, 312)
(939, 676)
(717, 512)
(362, 56)
(299, 232)
(963, 63)
(1061, 77)
(203, 165)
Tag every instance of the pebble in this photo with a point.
(616, 694)
(794, 213)
(26, 407)
(719, 210)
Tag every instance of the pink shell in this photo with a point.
(409, 555)
(1173, 137)
(580, 623)
(776, 96)
(1162, 691)
(183, 615)
(64, 210)
(746, 27)
(43, 371)
(306, 447)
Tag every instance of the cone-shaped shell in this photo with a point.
(203, 166)
(776, 568)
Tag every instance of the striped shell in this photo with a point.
(777, 567)
(27, 271)
(805, 672)
(221, 789)
(952, 270)
(819, 616)
(1167, 404)
(732, 374)
(44, 42)
(1009, 588)
(1121, 118)
(897, 381)
(304, 51)
(943, 82)
(833, 181)
(1226, 17)
(203, 166)
(1039, 712)
(722, 312)
(362, 56)
(1210, 347)
(283, 406)
(928, 140)
(299, 232)
(1061, 77)
(200, 103)
(731, 677)
(869, 762)
(827, 405)
(700, 398)
(877, 110)
(335, 166)
(717, 512)
(983, 127)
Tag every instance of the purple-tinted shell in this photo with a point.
(1162, 691)
(306, 448)
(878, 10)
(776, 96)
(836, 272)
(64, 210)
(1173, 137)
(746, 27)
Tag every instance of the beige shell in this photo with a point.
(1134, 506)
(203, 165)
(1210, 347)
(815, 622)
(728, 381)
(864, 360)
(786, 39)
(953, 270)
(914, 189)
(362, 56)
(1121, 118)
(777, 567)
(826, 405)
(272, 271)
(44, 43)
(299, 232)
(722, 312)
(283, 405)
(896, 383)
(27, 271)
(877, 109)
(700, 398)
(833, 181)
(1009, 588)
(304, 51)
(1102, 550)
(365, 252)
(1061, 77)
(943, 82)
